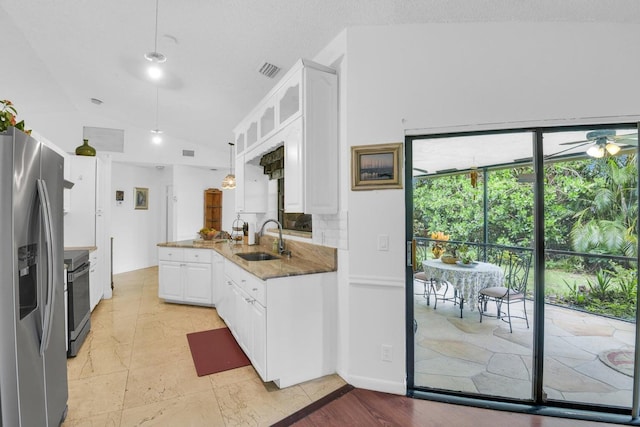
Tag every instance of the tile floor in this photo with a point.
(135, 369)
(469, 356)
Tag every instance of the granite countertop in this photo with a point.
(301, 262)
(80, 248)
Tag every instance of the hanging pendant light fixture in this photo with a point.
(156, 58)
(229, 181)
(157, 133)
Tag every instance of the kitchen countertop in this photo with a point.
(80, 248)
(301, 262)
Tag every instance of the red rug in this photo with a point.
(215, 351)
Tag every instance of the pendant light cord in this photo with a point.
(157, 105)
(155, 46)
(231, 144)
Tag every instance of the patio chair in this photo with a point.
(516, 264)
(431, 288)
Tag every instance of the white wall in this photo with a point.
(135, 231)
(405, 79)
(188, 189)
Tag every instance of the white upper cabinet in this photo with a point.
(252, 134)
(239, 143)
(289, 97)
(268, 118)
(301, 113)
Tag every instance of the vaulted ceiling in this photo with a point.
(58, 54)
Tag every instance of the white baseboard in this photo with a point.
(376, 384)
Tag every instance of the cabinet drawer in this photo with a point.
(256, 289)
(233, 272)
(197, 255)
(171, 254)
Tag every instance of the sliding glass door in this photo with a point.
(473, 199)
(540, 304)
(591, 267)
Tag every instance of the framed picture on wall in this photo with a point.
(376, 167)
(119, 195)
(141, 198)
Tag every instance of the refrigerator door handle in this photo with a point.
(47, 320)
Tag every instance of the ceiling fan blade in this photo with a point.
(577, 142)
(629, 139)
(548, 156)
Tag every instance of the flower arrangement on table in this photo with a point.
(438, 246)
(8, 116)
(458, 252)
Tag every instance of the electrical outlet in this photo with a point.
(383, 242)
(387, 353)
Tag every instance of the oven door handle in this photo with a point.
(79, 272)
(47, 320)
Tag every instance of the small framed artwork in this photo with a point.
(141, 198)
(376, 167)
(119, 195)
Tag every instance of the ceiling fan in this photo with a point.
(604, 142)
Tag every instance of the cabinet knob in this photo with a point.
(255, 289)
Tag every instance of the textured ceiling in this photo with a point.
(68, 51)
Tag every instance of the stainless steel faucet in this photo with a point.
(281, 250)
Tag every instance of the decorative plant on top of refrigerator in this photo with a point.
(8, 115)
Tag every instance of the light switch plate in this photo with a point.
(383, 242)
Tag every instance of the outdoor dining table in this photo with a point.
(466, 279)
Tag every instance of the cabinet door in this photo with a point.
(252, 134)
(217, 277)
(170, 280)
(268, 118)
(258, 316)
(294, 167)
(80, 222)
(197, 283)
(290, 99)
(95, 279)
(239, 143)
(255, 188)
(225, 301)
(320, 142)
(238, 325)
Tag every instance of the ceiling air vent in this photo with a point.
(104, 139)
(188, 153)
(269, 70)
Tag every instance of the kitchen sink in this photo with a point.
(257, 256)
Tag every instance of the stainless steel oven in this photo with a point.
(79, 313)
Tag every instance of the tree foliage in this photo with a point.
(590, 206)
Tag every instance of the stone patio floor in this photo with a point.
(485, 358)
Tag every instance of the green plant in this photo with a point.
(627, 281)
(8, 118)
(602, 286)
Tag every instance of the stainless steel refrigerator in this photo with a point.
(33, 370)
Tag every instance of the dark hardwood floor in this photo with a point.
(358, 407)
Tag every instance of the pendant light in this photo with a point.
(156, 58)
(157, 133)
(229, 181)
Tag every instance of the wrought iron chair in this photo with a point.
(516, 264)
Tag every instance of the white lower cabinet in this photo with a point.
(286, 326)
(95, 279)
(186, 276)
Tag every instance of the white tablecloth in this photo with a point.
(466, 280)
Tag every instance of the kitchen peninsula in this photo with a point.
(281, 311)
